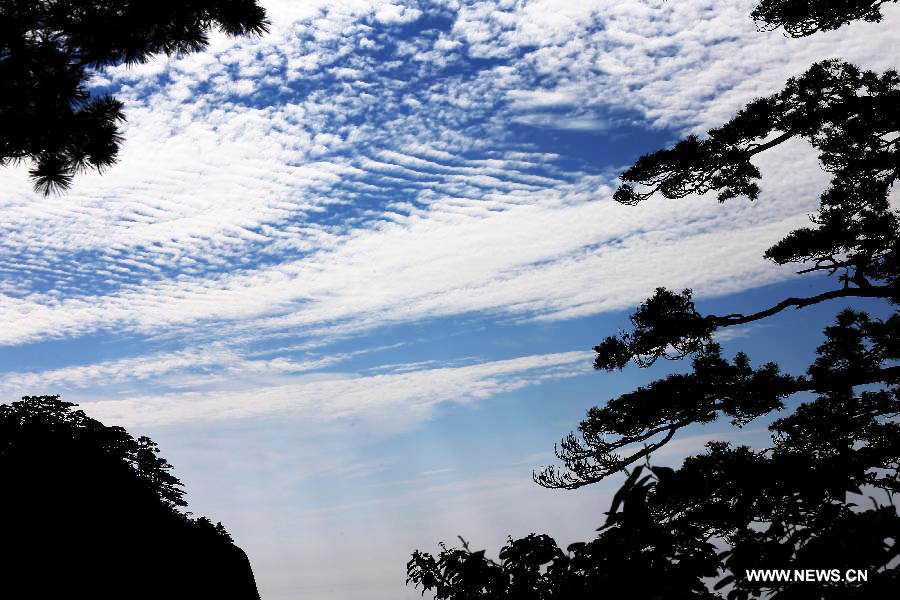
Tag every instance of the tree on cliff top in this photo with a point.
(87, 511)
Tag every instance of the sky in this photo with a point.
(349, 274)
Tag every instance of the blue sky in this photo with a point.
(349, 274)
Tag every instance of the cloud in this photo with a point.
(392, 399)
(396, 13)
(343, 183)
(110, 372)
(529, 99)
(216, 365)
(330, 179)
(562, 121)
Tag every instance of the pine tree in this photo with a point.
(822, 496)
(49, 49)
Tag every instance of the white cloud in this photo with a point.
(562, 121)
(394, 399)
(396, 13)
(213, 366)
(256, 195)
(573, 256)
(528, 99)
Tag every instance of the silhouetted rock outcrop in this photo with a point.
(90, 512)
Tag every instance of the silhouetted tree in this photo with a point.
(822, 496)
(87, 511)
(801, 18)
(49, 49)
